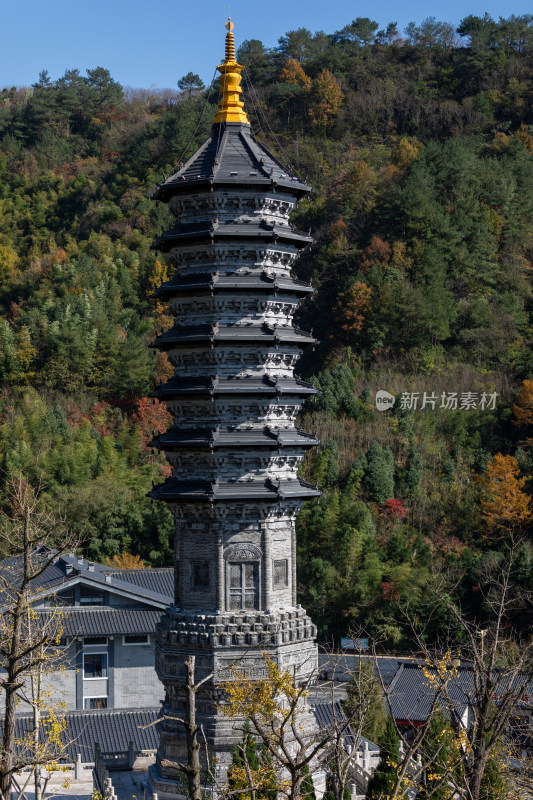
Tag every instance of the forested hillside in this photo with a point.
(419, 146)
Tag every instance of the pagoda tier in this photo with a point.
(233, 445)
(204, 282)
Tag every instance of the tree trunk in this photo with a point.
(193, 746)
(36, 694)
(13, 684)
(11, 687)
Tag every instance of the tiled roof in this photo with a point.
(68, 569)
(78, 621)
(258, 334)
(156, 580)
(214, 385)
(114, 580)
(11, 570)
(343, 665)
(112, 730)
(208, 281)
(231, 156)
(388, 667)
(412, 695)
(324, 713)
(212, 231)
(234, 437)
(255, 489)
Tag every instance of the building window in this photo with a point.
(94, 702)
(200, 575)
(243, 585)
(94, 665)
(134, 638)
(281, 574)
(90, 598)
(95, 640)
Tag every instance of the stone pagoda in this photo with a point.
(233, 445)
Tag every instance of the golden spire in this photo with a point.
(231, 107)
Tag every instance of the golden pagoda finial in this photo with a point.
(231, 107)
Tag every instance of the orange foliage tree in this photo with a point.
(353, 305)
(126, 561)
(158, 276)
(355, 188)
(506, 507)
(294, 73)
(378, 252)
(150, 416)
(163, 368)
(405, 151)
(525, 137)
(326, 99)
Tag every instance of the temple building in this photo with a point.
(233, 446)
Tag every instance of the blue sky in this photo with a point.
(147, 44)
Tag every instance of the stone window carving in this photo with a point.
(281, 573)
(243, 585)
(242, 552)
(200, 575)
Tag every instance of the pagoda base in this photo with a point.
(225, 647)
(164, 788)
(167, 789)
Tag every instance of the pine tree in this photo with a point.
(330, 788)
(384, 777)
(379, 475)
(191, 84)
(364, 706)
(523, 409)
(307, 789)
(413, 468)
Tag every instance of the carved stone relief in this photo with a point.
(242, 552)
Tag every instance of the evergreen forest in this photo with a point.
(419, 147)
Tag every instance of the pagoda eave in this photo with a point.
(209, 439)
(212, 386)
(207, 283)
(234, 234)
(204, 491)
(188, 335)
(166, 191)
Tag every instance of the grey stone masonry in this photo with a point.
(233, 445)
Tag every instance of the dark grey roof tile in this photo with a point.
(112, 730)
(325, 714)
(233, 437)
(254, 489)
(79, 621)
(412, 693)
(214, 281)
(159, 580)
(188, 334)
(231, 156)
(215, 231)
(216, 385)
